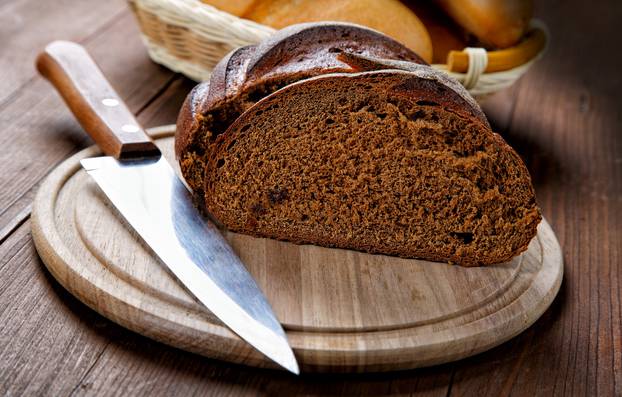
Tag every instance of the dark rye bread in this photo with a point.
(250, 73)
(400, 161)
(391, 162)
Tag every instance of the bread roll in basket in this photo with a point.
(190, 37)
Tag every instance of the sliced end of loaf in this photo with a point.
(358, 161)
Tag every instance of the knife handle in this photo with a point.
(95, 104)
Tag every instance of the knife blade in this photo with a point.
(145, 190)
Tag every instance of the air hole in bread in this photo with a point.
(465, 237)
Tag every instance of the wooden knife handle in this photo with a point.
(95, 104)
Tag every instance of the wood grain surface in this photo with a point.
(344, 311)
(563, 118)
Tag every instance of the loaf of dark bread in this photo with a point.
(312, 138)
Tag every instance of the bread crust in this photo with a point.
(224, 83)
(187, 121)
(318, 45)
(451, 93)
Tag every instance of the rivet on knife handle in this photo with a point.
(94, 102)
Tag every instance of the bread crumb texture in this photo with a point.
(356, 162)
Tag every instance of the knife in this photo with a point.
(146, 191)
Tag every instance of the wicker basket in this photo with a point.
(190, 37)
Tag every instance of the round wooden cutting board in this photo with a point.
(342, 310)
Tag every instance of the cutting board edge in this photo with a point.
(54, 262)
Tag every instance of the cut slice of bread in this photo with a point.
(384, 162)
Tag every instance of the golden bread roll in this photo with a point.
(446, 36)
(496, 23)
(387, 16)
(235, 7)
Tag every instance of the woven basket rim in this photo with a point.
(205, 12)
(190, 37)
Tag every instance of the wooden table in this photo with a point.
(564, 118)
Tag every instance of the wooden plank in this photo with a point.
(565, 121)
(48, 340)
(38, 126)
(139, 366)
(27, 25)
(56, 340)
(51, 363)
(14, 217)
